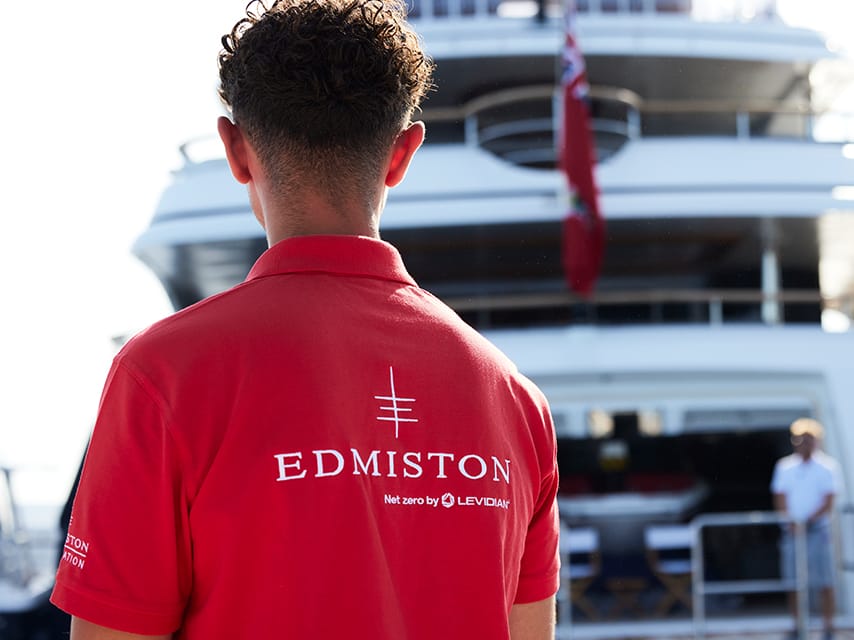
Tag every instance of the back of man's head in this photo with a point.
(328, 83)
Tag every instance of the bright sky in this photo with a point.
(97, 98)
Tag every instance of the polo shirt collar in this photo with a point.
(342, 255)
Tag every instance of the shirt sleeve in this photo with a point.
(777, 485)
(126, 564)
(539, 577)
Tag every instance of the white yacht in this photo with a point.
(730, 241)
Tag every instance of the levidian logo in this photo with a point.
(448, 500)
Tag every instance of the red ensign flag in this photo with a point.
(583, 241)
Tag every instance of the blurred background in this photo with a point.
(98, 98)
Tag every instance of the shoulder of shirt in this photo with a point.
(825, 460)
(182, 324)
(465, 330)
(788, 461)
(523, 384)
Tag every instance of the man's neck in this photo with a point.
(277, 233)
(311, 215)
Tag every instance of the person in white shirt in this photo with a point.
(804, 486)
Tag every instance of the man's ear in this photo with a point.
(404, 148)
(236, 149)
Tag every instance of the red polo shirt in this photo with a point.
(323, 451)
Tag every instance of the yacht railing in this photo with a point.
(711, 297)
(702, 587)
(701, 10)
(520, 125)
(846, 546)
(710, 303)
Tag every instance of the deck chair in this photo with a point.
(668, 552)
(581, 563)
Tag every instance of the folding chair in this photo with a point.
(668, 552)
(581, 563)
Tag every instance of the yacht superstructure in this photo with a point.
(730, 235)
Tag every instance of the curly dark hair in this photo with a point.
(331, 82)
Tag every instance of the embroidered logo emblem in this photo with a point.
(395, 409)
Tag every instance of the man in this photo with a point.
(324, 451)
(804, 486)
